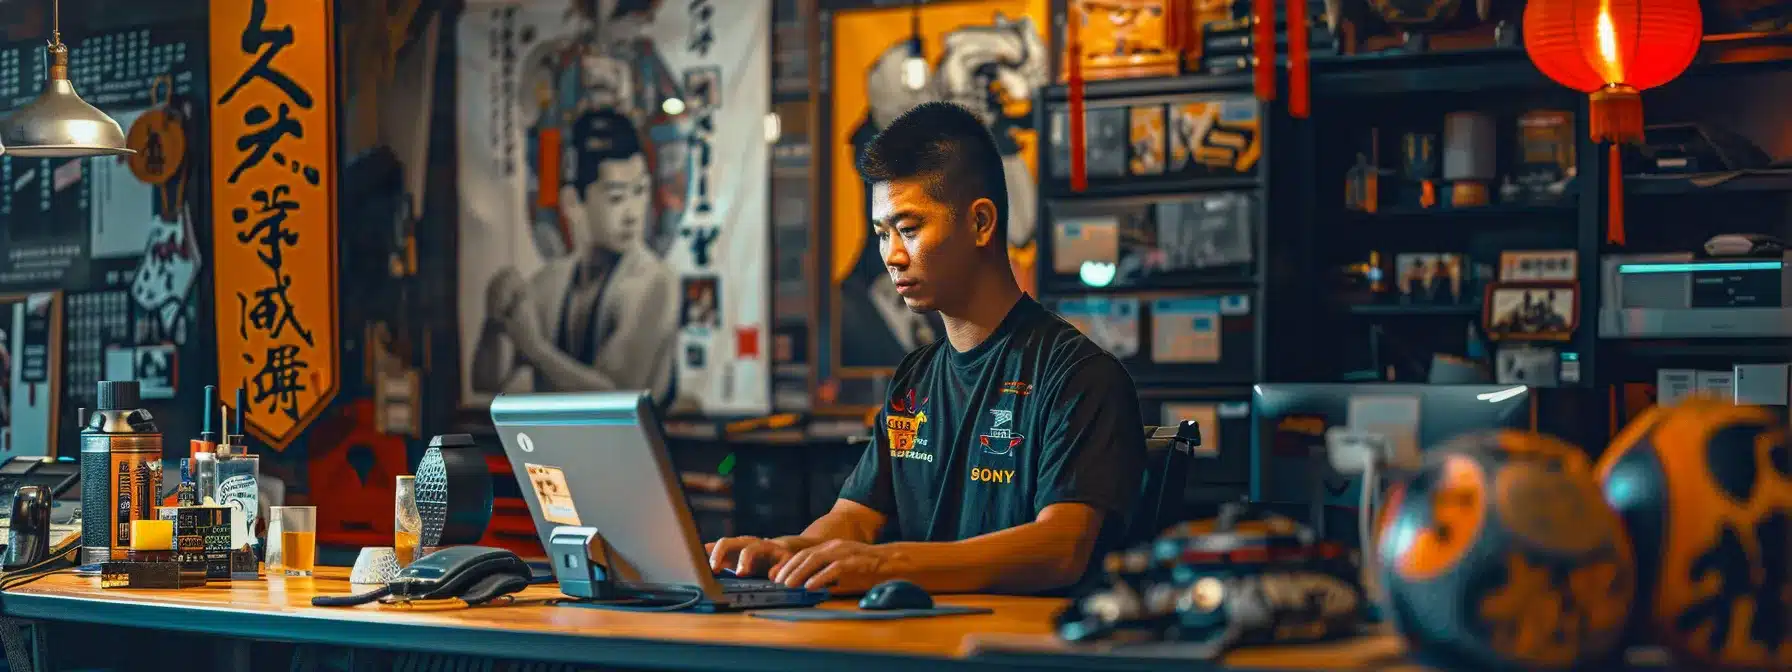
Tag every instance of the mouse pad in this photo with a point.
(862, 615)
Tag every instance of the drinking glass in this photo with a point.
(407, 524)
(298, 538)
(272, 559)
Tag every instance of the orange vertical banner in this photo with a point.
(273, 179)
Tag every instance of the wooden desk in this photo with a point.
(279, 609)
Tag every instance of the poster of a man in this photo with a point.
(602, 316)
(991, 56)
(594, 141)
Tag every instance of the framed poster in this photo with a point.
(30, 373)
(613, 201)
(1531, 311)
(989, 55)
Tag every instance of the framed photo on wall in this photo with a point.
(1531, 311)
(31, 370)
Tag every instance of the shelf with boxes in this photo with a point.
(1160, 259)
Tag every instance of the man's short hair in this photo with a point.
(599, 136)
(948, 149)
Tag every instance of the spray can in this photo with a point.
(121, 470)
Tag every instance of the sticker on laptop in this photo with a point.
(553, 495)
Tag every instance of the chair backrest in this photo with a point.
(1168, 451)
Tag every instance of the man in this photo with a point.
(1009, 452)
(605, 316)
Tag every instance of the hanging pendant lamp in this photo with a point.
(58, 123)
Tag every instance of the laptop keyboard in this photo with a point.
(734, 585)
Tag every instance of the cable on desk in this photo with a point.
(696, 596)
(41, 568)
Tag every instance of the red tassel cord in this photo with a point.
(1300, 103)
(1614, 224)
(1263, 43)
(1079, 173)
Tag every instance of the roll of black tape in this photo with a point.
(454, 491)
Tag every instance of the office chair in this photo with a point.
(1168, 451)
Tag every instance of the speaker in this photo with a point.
(454, 492)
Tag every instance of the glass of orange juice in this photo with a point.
(298, 538)
(407, 524)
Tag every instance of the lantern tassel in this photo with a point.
(1300, 104)
(1616, 114)
(1616, 117)
(1263, 43)
(1079, 174)
(1614, 224)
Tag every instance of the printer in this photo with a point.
(1688, 296)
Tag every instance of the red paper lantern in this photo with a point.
(1613, 50)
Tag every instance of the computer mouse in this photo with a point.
(896, 594)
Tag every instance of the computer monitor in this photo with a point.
(1289, 468)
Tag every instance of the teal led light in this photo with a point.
(1714, 266)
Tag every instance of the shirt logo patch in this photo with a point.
(1001, 439)
(901, 425)
(1017, 388)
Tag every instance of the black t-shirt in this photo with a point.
(976, 442)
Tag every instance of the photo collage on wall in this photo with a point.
(121, 285)
(988, 55)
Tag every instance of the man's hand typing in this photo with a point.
(751, 556)
(846, 567)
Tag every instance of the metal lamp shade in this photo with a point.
(59, 124)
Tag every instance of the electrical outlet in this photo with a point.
(1348, 450)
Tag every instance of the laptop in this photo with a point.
(599, 460)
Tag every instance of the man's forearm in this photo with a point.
(1038, 556)
(833, 525)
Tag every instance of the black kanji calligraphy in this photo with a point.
(266, 43)
(278, 382)
(702, 240)
(268, 130)
(271, 312)
(271, 231)
(703, 33)
(1761, 580)
(702, 162)
(270, 309)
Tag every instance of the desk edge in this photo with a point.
(469, 640)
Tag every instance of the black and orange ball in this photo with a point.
(1705, 490)
(1501, 554)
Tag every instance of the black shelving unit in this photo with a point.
(1055, 194)
(1415, 310)
(1391, 93)
(1770, 180)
